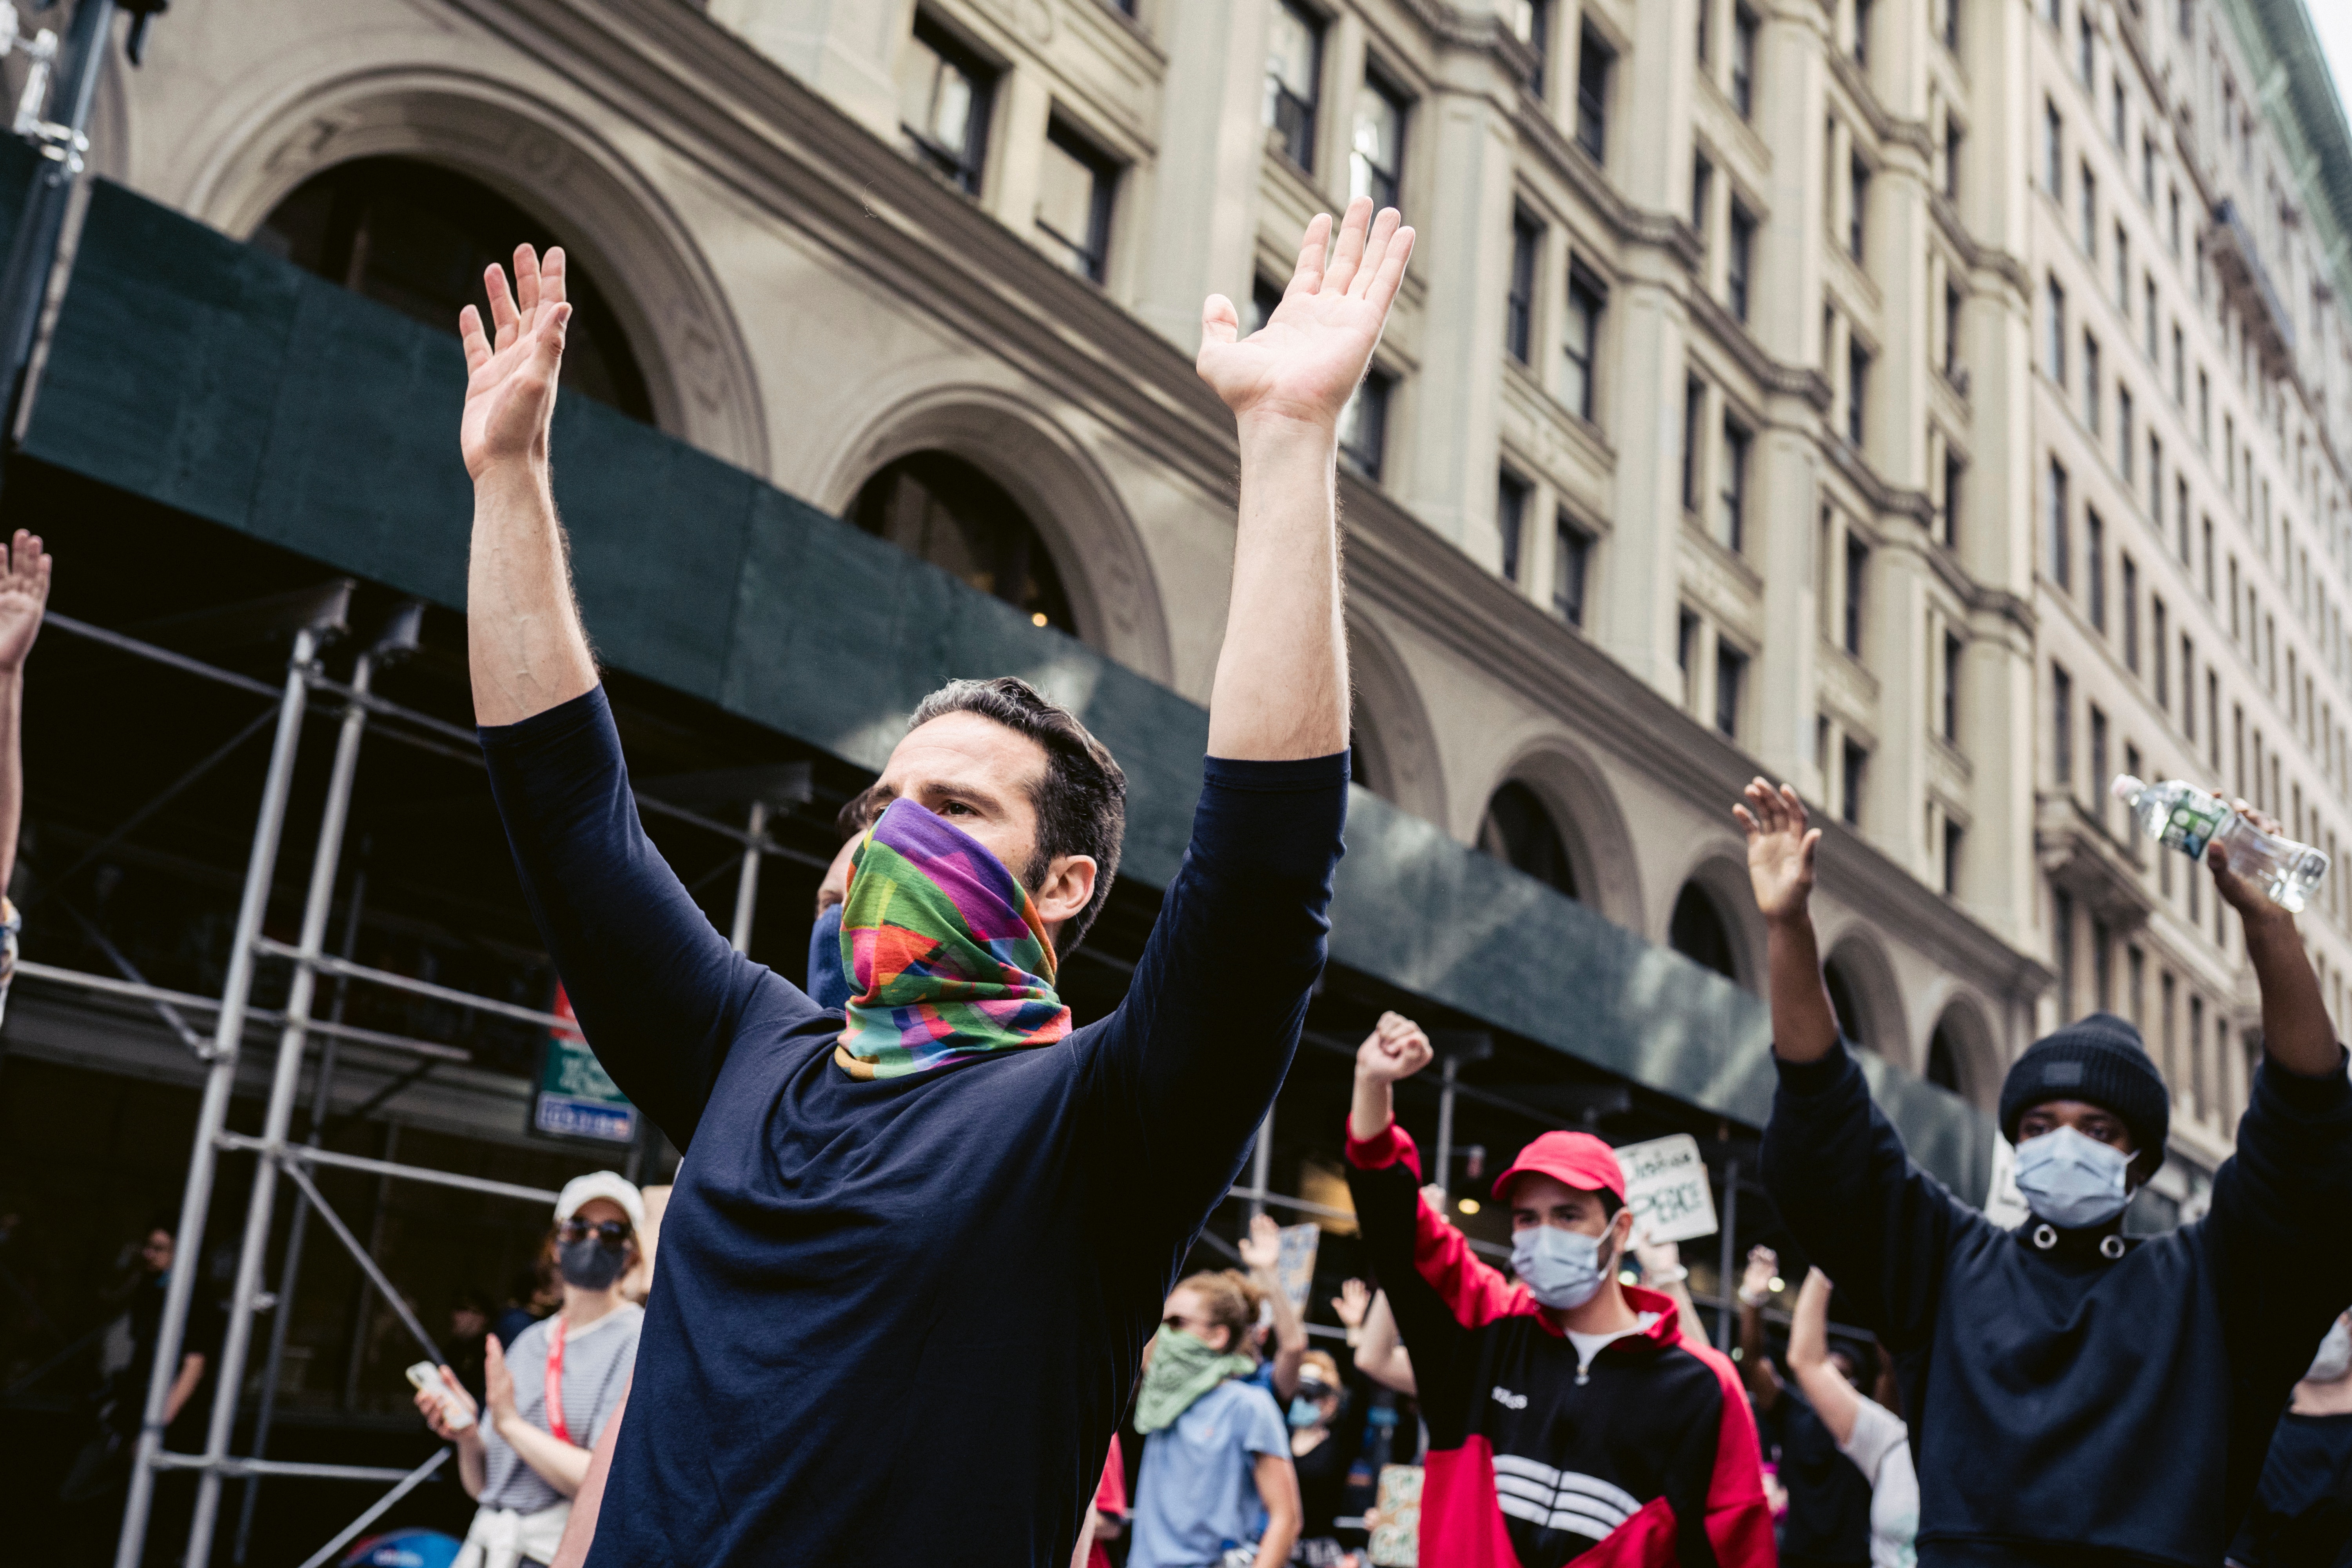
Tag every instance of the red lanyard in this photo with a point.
(555, 1382)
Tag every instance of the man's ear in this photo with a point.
(1069, 887)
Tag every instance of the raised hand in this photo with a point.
(1779, 849)
(1396, 1049)
(1261, 1249)
(24, 593)
(2247, 897)
(1304, 364)
(1755, 1280)
(510, 377)
(1354, 1299)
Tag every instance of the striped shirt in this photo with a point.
(596, 1363)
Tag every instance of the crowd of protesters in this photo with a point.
(911, 1249)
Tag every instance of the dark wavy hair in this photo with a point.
(1081, 798)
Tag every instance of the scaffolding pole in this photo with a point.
(212, 1115)
(285, 1084)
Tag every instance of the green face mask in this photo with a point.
(1182, 1369)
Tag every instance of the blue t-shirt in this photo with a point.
(830, 1317)
(1197, 1493)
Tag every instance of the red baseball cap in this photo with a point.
(1577, 1160)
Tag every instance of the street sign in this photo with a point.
(574, 1097)
(1667, 1188)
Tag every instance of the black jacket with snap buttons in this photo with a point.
(2111, 1397)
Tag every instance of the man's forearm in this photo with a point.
(2296, 1029)
(1372, 1110)
(524, 641)
(12, 769)
(1281, 690)
(1804, 1025)
(1754, 1370)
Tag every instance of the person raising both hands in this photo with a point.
(2076, 1395)
(869, 1177)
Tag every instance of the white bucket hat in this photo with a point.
(609, 1184)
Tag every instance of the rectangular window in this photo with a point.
(1954, 837)
(2148, 316)
(2095, 568)
(1702, 195)
(1531, 19)
(2148, 172)
(2054, 311)
(2084, 36)
(2160, 648)
(1694, 412)
(2062, 728)
(2125, 444)
(1857, 390)
(2131, 613)
(1858, 207)
(1857, 579)
(2062, 935)
(1519, 310)
(1863, 18)
(1074, 187)
(2204, 411)
(1953, 484)
(1953, 140)
(1953, 651)
(1685, 644)
(1572, 565)
(1743, 61)
(1376, 157)
(1739, 254)
(2089, 198)
(2117, 113)
(1510, 519)
(2091, 383)
(1857, 764)
(2061, 555)
(2156, 483)
(2180, 370)
(1731, 523)
(944, 95)
(1294, 78)
(2189, 688)
(1265, 298)
(1730, 675)
(1581, 349)
(1951, 330)
(2053, 151)
(1364, 425)
(2173, 204)
(1595, 61)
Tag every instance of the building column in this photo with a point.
(1785, 531)
(1201, 234)
(1638, 618)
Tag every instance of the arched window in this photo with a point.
(1943, 1060)
(1696, 931)
(1842, 1002)
(944, 510)
(1519, 832)
(419, 238)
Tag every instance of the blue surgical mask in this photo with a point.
(2072, 1180)
(828, 981)
(1304, 1413)
(1562, 1268)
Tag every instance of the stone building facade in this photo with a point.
(1727, 371)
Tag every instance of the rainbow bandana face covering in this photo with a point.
(948, 961)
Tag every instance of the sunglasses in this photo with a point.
(610, 1232)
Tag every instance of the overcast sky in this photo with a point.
(2333, 19)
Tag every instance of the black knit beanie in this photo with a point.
(2101, 1061)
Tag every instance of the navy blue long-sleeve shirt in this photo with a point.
(2112, 1411)
(897, 1320)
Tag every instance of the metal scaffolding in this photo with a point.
(355, 709)
(353, 706)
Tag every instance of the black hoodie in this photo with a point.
(2113, 1401)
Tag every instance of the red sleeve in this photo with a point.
(1111, 1496)
(1474, 1290)
(1739, 1519)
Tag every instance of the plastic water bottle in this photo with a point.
(2179, 816)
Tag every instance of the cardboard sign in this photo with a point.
(1667, 1188)
(574, 1097)
(1296, 1268)
(1396, 1540)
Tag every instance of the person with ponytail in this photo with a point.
(552, 1392)
(1216, 1488)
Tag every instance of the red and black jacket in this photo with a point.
(1647, 1458)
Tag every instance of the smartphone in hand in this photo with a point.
(427, 1378)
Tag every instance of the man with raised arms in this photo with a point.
(911, 1264)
